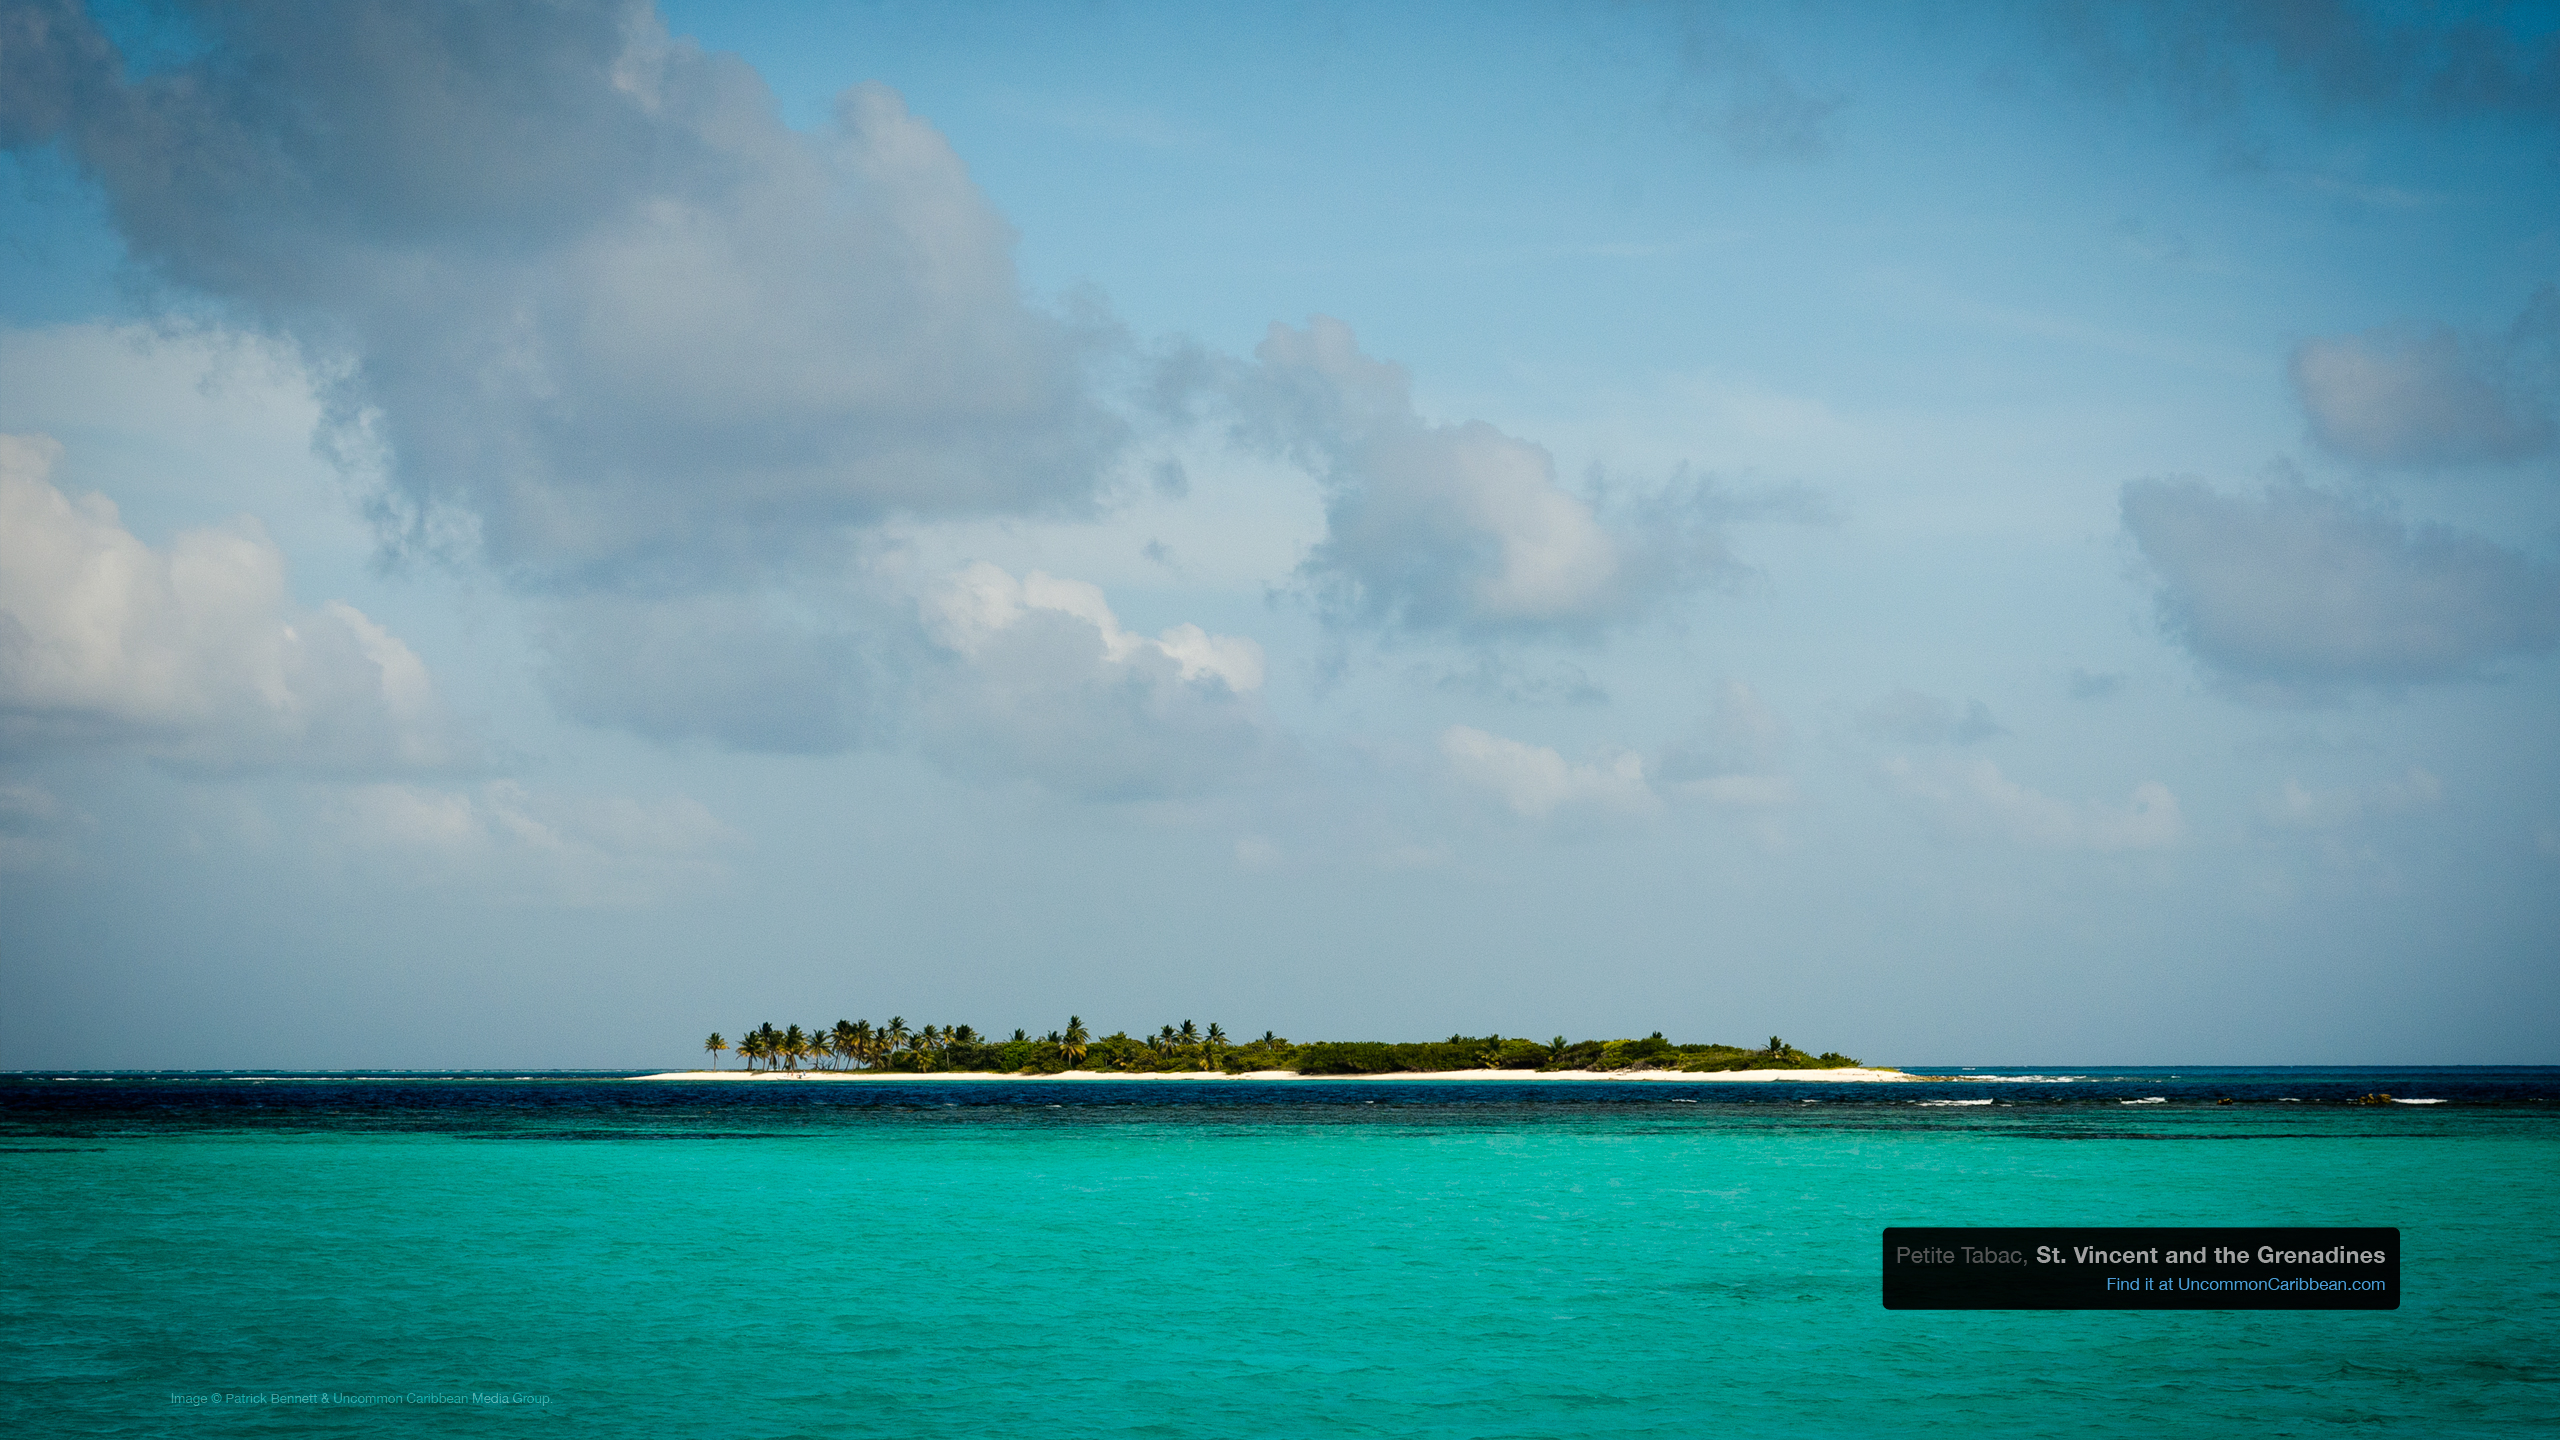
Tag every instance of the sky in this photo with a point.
(530, 533)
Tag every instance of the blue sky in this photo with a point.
(537, 532)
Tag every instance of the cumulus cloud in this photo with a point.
(982, 602)
(2426, 397)
(1456, 528)
(2302, 594)
(1912, 718)
(1537, 783)
(582, 307)
(612, 851)
(596, 311)
(1969, 796)
(195, 654)
(1036, 679)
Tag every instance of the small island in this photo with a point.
(859, 1050)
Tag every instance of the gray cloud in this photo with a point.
(2424, 397)
(1737, 93)
(1491, 675)
(601, 315)
(596, 317)
(2088, 684)
(1916, 719)
(2213, 60)
(1739, 735)
(1460, 528)
(2302, 595)
(738, 671)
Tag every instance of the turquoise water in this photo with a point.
(1135, 1260)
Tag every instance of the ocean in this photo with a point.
(431, 1254)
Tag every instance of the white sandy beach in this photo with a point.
(1853, 1075)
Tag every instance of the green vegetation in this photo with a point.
(859, 1045)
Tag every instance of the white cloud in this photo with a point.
(1038, 680)
(1537, 783)
(1971, 796)
(1916, 719)
(1411, 857)
(975, 606)
(195, 653)
(591, 851)
(1754, 792)
(1729, 760)
(2300, 807)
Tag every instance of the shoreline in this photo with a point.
(1851, 1075)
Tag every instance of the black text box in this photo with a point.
(2068, 1267)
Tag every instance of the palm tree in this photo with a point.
(751, 1048)
(1073, 1041)
(896, 1034)
(1217, 1037)
(715, 1045)
(1018, 1035)
(794, 1046)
